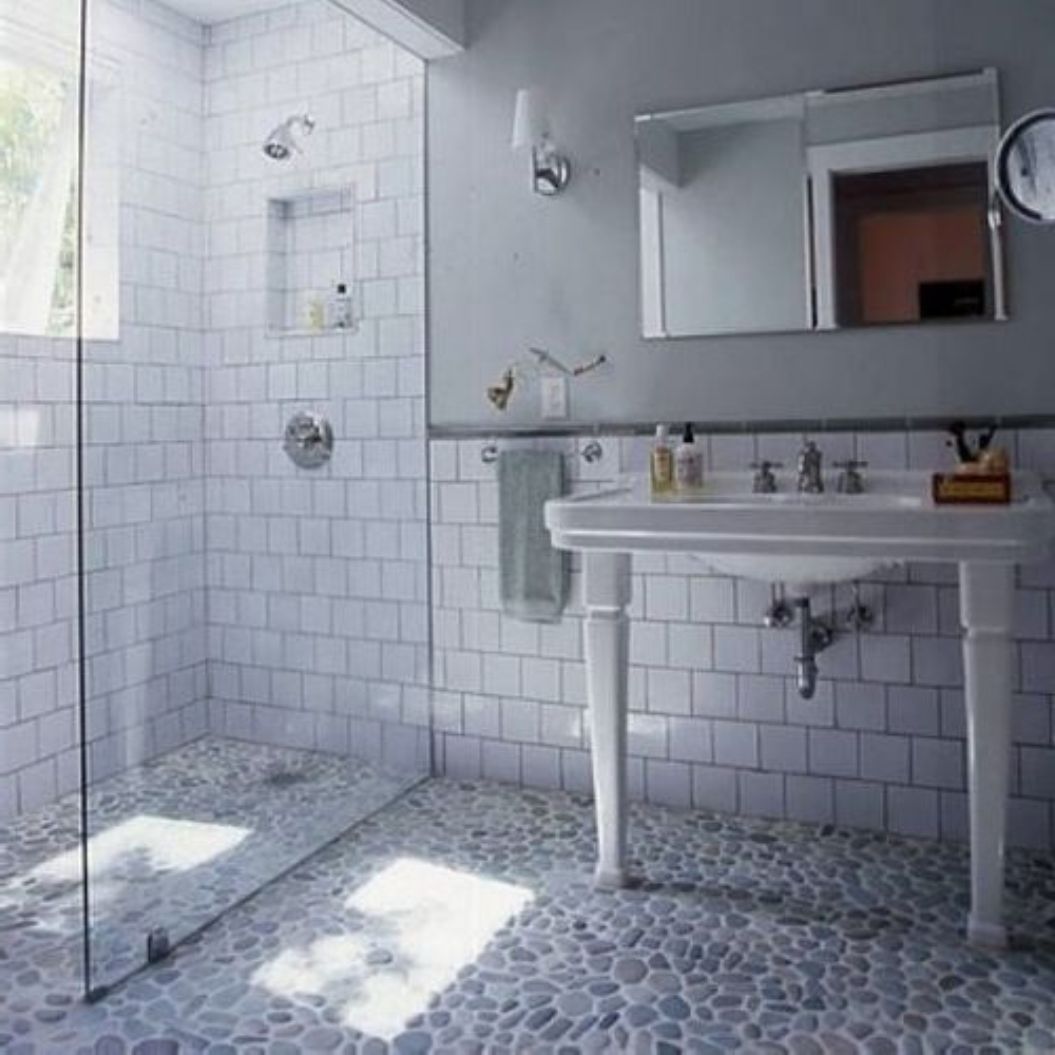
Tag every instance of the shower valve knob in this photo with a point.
(309, 440)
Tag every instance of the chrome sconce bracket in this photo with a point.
(551, 170)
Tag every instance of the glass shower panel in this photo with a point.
(144, 566)
(257, 649)
(41, 906)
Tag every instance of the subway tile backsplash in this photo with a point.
(716, 721)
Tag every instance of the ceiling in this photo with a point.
(220, 10)
(425, 28)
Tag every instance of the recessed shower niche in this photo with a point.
(310, 262)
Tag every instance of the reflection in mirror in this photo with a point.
(1025, 167)
(912, 245)
(823, 210)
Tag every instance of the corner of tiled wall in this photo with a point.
(318, 618)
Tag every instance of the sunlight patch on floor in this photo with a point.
(142, 844)
(421, 923)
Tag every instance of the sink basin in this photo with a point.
(798, 572)
(806, 540)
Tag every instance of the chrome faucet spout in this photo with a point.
(811, 463)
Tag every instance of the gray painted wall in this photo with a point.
(509, 269)
(729, 269)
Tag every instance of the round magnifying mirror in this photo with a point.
(1025, 167)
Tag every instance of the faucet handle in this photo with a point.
(765, 483)
(850, 482)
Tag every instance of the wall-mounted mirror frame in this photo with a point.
(866, 206)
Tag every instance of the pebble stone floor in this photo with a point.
(740, 935)
(238, 815)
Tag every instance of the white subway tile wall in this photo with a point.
(716, 721)
(317, 580)
(37, 587)
(144, 498)
(316, 627)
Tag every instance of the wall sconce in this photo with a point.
(500, 393)
(550, 170)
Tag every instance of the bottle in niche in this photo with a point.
(662, 463)
(316, 315)
(340, 308)
(688, 464)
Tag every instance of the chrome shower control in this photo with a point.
(309, 440)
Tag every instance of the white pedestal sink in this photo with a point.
(807, 540)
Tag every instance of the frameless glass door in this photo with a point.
(41, 890)
(256, 628)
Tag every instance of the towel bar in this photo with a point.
(592, 452)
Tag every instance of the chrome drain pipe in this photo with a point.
(815, 637)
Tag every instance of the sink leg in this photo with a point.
(987, 595)
(606, 591)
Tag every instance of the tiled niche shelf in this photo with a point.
(310, 246)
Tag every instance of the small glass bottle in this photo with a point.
(661, 463)
(316, 315)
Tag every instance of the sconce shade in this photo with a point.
(529, 124)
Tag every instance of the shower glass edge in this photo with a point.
(198, 786)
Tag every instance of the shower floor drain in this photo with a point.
(285, 778)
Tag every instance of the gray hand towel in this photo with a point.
(533, 576)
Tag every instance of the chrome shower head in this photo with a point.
(284, 140)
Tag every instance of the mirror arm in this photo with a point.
(996, 255)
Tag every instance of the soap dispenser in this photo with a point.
(688, 463)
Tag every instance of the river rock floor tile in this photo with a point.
(462, 919)
(174, 843)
